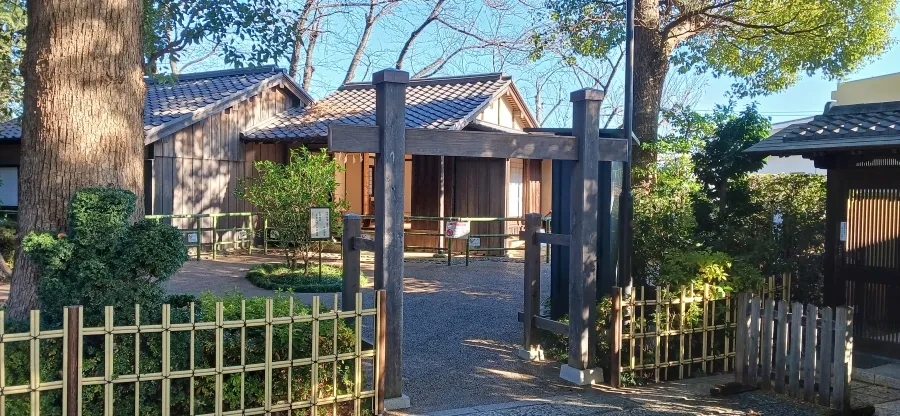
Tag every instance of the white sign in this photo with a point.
(368, 236)
(474, 242)
(843, 231)
(457, 229)
(241, 235)
(192, 238)
(273, 234)
(320, 223)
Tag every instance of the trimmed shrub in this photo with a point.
(281, 277)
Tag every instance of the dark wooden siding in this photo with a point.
(426, 199)
(532, 184)
(480, 191)
(10, 154)
(196, 170)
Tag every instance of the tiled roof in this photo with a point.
(168, 101)
(448, 103)
(10, 130)
(840, 128)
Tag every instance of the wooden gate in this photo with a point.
(868, 264)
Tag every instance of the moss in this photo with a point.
(280, 277)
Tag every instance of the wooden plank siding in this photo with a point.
(480, 191)
(196, 170)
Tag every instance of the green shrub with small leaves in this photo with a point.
(103, 259)
(281, 277)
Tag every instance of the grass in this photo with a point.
(277, 276)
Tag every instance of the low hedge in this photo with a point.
(277, 276)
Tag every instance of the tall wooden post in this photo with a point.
(73, 363)
(390, 116)
(532, 289)
(583, 250)
(350, 255)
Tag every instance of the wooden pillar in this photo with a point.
(350, 256)
(561, 222)
(583, 249)
(390, 116)
(532, 288)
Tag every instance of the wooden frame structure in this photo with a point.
(391, 141)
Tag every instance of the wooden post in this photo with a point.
(381, 322)
(753, 347)
(796, 345)
(532, 289)
(843, 352)
(781, 345)
(809, 353)
(615, 346)
(390, 116)
(583, 248)
(768, 324)
(740, 337)
(350, 256)
(73, 363)
(826, 348)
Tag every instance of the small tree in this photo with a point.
(284, 193)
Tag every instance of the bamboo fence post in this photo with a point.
(73, 361)
(704, 326)
(659, 317)
(380, 353)
(681, 336)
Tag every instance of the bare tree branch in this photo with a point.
(435, 11)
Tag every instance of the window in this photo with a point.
(9, 186)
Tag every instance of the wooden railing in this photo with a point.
(61, 389)
(805, 352)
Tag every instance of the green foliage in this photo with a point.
(683, 269)
(12, 47)
(764, 45)
(254, 32)
(280, 277)
(253, 352)
(284, 193)
(102, 259)
(7, 238)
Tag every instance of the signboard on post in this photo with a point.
(457, 229)
(320, 223)
(474, 242)
(192, 238)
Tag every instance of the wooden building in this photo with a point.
(435, 186)
(204, 131)
(859, 145)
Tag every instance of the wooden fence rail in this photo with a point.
(802, 351)
(51, 377)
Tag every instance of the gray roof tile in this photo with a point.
(435, 103)
(839, 128)
(168, 101)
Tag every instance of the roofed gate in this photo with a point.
(391, 140)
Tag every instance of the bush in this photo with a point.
(102, 259)
(253, 351)
(681, 270)
(284, 193)
(281, 277)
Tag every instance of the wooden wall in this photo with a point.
(479, 190)
(196, 170)
(426, 197)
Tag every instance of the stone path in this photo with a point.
(879, 386)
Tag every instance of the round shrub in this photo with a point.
(277, 276)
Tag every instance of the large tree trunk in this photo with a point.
(651, 63)
(83, 116)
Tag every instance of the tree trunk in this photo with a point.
(360, 48)
(308, 67)
(651, 63)
(82, 122)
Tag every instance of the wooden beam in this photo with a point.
(390, 118)
(583, 229)
(553, 239)
(350, 257)
(546, 324)
(363, 244)
(355, 138)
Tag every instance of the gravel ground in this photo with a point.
(461, 338)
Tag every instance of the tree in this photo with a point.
(82, 122)
(284, 193)
(765, 46)
(240, 32)
(12, 44)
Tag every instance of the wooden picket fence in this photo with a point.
(805, 352)
(663, 335)
(68, 381)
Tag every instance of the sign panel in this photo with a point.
(843, 231)
(192, 238)
(457, 229)
(474, 242)
(320, 223)
(241, 235)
